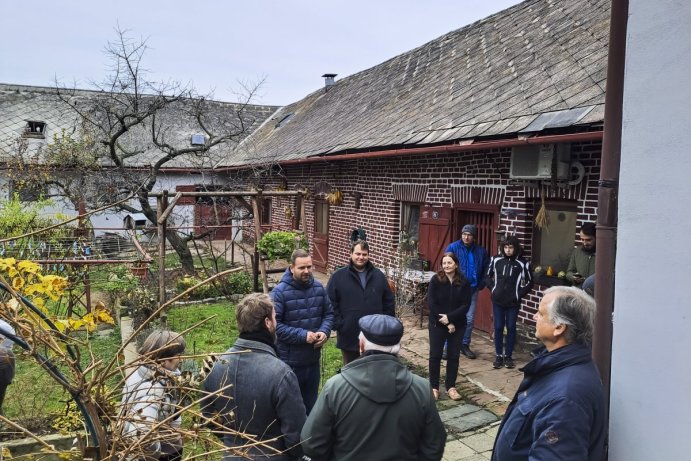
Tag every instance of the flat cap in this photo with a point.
(383, 330)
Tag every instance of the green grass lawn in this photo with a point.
(220, 332)
(34, 398)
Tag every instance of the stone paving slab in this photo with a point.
(471, 421)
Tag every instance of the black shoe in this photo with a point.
(508, 362)
(498, 362)
(465, 350)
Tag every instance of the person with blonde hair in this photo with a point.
(149, 402)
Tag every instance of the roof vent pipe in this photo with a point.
(329, 81)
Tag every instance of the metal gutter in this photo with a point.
(453, 148)
(608, 196)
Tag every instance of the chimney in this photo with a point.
(329, 81)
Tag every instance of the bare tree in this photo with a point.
(138, 127)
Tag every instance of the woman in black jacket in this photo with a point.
(448, 299)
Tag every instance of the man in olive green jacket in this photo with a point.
(375, 408)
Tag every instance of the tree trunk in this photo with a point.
(183, 251)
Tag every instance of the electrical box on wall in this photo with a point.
(535, 161)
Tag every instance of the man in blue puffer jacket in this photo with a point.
(304, 317)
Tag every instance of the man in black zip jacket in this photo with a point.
(355, 291)
(510, 278)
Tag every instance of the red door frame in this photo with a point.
(486, 218)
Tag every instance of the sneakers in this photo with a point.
(508, 362)
(498, 362)
(465, 350)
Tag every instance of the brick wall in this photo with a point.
(379, 213)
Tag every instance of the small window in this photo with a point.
(35, 129)
(284, 120)
(553, 244)
(410, 225)
(265, 212)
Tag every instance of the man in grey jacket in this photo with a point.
(375, 408)
(252, 396)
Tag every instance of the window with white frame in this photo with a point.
(410, 225)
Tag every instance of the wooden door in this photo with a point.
(486, 222)
(214, 217)
(435, 234)
(320, 251)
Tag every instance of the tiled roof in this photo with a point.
(21, 104)
(494, 77)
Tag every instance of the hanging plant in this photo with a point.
(541, 218)
(335, 197)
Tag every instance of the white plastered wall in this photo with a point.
(650, 408)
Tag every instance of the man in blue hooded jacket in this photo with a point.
(558, 412)
(304, 317)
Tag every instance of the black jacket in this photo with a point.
(351, 302)
(509, 279)
(452, 299)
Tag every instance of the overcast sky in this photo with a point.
(214, 44)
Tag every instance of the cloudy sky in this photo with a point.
(219, 45)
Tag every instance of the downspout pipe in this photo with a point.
(608, 195)
(452, 148)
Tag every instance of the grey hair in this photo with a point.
(574, 308)
(298, 253)
(162, 344)
(370, 346)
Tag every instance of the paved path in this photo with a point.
(471, 423)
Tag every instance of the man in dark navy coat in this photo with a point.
(558, 412)
(304, 318)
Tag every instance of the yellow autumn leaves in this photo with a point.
(27, 280)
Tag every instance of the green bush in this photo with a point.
(280, 244)
(239, 283)
(236, 283)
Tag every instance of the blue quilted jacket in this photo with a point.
(300, 307)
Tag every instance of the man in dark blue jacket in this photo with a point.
(473, 262)
(304, 317)
(558, 412)
(355, 291)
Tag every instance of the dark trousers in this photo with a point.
(6, 372)
(349, 356)
(504, 317)
(437, 337)
(308, 379)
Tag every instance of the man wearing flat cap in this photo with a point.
(473, 262)
(375, 408)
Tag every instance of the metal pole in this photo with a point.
(608, 192)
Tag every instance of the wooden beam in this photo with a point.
(258, 234)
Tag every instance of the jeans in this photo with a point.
(470, 316)
(437, 337)
(504, 317)
(308, 380)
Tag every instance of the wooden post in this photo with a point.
(162, 204)
(303, 215)
(258, 234)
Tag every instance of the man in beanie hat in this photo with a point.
(375, 408)
(473, 261)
